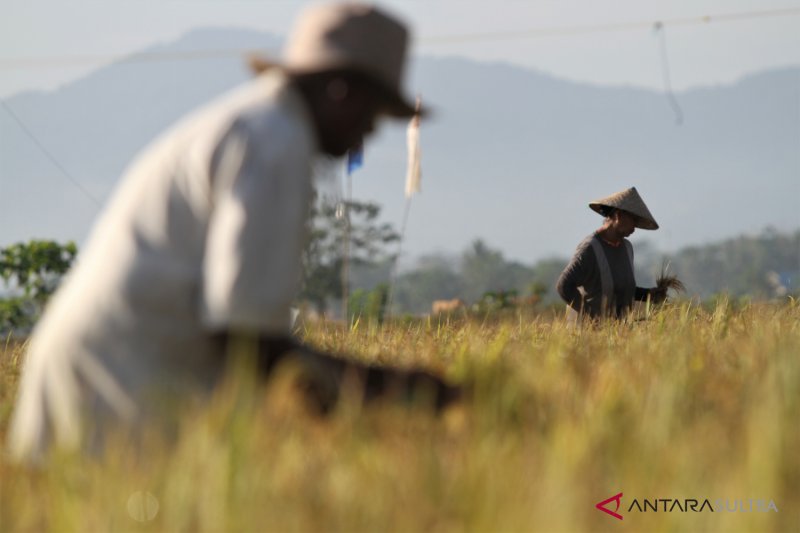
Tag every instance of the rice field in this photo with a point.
(691, 403)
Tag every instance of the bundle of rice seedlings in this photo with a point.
(666, 281)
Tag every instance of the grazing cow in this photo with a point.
(447, 306)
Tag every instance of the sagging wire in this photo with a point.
(658, 29)
(17, 63)
(49, 155)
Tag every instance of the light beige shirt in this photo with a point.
(204, 234)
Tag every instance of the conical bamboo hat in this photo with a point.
(630, 201)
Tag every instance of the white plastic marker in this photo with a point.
(414, 173)
(413, 186)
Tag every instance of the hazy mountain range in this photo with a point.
(511, 156)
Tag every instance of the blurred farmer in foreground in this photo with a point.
(599, 280)
(202, 242)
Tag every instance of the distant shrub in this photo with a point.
(31, 273)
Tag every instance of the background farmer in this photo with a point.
(599, 280)
(202, 241)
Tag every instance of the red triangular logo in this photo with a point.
(613, 513)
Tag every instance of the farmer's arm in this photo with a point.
(322, 376)
(251, 274)
(261, 192)
(575, 275)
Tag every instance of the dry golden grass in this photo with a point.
(690, 403)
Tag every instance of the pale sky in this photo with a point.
(44, 44)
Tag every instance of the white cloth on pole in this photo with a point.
(414, 172)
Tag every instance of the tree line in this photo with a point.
(764, 266)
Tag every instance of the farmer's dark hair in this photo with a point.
(607, 211)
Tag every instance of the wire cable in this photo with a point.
(608, 27)
(49, 155)
(658, 28)
(62, 61)
(141, 57)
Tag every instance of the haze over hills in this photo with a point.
(511, 156)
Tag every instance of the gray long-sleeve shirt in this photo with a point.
(580, 284)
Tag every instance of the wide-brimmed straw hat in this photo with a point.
(349, 37)
(629, 201)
